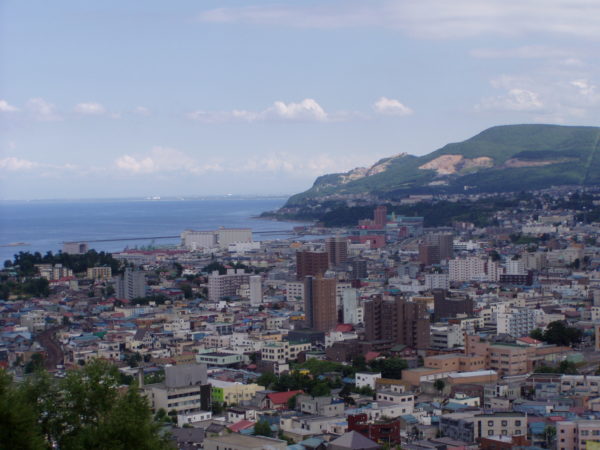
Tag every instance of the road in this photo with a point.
(54, 353)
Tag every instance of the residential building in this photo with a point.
(132, 284)
(320, 303)
(226, 285)
(337, 250)
(396, 320)
(311, 264)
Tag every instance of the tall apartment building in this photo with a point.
(447, 307)
(220, 286)
(131, 285)
(516, 322)
(337, 250)
(320, 303)
(396, 320)
(445, 243)
(256, 294)
(467, 269)
(429, 254)
(350, 306)
(380, 216)
(311, 264)
(358, 269)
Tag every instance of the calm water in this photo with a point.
(45, 225)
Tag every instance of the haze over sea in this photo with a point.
(44, 225)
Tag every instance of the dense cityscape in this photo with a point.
(382, 334)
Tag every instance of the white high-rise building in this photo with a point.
(294, 291)
(436, 281)
(466, 269)
(517, 322)
(256, 294)
(515, 267)
(220, 286)
(350, 305)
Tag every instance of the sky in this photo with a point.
(193, 98)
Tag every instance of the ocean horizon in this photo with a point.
(43, 225)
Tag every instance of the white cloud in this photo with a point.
(14, 164)
(165, 161)
(142, 111)
(428, 18)
(391, 106)
(6, 107)
(40, 109)
(89, 108)
(524, 52)
(160, 160)
(305, 110)
(513, 100)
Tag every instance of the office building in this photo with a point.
(311, 264)
(445, 243)
(396, 320)
(320, 309)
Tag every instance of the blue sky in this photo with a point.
(122, 99)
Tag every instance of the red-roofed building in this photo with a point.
(344, 327)
(529, 341)
(279, 400)
(241, 425)
(370, 356)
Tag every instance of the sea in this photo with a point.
(113, 225)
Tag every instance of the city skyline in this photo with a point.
(119, 100)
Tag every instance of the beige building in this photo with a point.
(500, 424)
(577, 434)
(236, 441)
(99, 273)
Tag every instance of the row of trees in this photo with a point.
(85, 410)
(24, 262)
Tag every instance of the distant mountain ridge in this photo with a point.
(500, 159)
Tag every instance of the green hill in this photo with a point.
(499, 159)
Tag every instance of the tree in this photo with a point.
(537, 334)
(35, 363)
(320, 389)
(291, 403)
(267, 379)
(549, 435)
(560, 334)
(439, 385)
(19, 428)
(262, 428)
(87, 410)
